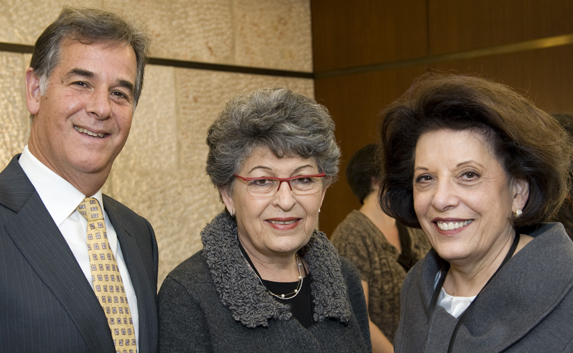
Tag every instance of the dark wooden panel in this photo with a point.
(545, 75)
(355, 103)
(348, 34)
(456, 25)
(352, 33)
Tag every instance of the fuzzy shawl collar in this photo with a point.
(240, 289)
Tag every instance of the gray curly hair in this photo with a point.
(287, 123)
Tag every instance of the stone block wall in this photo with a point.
(161, 171)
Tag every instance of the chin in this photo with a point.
(451, 254)
(293, 246)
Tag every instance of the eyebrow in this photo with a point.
(88, 74)
(79, 72)
(128, 85)
(461, 164)
(269, 169)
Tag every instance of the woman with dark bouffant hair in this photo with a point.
(480, 169)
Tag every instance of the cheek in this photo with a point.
(67, 102)
(255, 211)
(123, 120)
(420, 203)
(125, 125)
(313, 207)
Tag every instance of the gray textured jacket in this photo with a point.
(213, 302)
(527, 306)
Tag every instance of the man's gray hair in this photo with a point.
(88, 26)
(288, 123)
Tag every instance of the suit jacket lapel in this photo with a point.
(41, 243)
(141, 279)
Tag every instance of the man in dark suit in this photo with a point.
(83, 84)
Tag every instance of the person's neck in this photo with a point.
(466, 278)
(377, 216)
(88, 184)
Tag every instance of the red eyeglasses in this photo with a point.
(269, 186)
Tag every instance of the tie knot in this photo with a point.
(89, 208)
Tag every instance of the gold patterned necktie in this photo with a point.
(106, 279)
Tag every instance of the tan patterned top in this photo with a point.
(361, 242)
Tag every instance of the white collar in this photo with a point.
(455, 306)
(59, 196)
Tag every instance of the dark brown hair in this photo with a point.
(360, 171)
(528, 142)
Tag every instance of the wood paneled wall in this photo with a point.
(366, 54)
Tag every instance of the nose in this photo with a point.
(445, 196)
(281, 183)
(284, 197)
(99, 104)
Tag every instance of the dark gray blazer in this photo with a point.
(213, 302)
(46, 303)
(526, 308)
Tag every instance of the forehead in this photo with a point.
(104, 57)
(454, 146)
(262, 158)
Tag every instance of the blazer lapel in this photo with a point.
(141, 277)
(41, 243)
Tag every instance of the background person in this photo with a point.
(65, 288)
(480, 169)
(565, 213)
(382, 249)
(266, 279)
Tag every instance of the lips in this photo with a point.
(451, 225)
(282, 222)
(89, 133)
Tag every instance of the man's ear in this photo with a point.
(520, 194)
(227, 199)
(32, 91)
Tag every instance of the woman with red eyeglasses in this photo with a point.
(266, 279)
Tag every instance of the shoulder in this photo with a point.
(353, 219)
(117, 208)
(191, 272)
(123, 217)
(15, 187)
(355, 226)
(188, 287)
(550, 246)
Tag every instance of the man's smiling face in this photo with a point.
(82, 120)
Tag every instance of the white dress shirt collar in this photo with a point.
(59, 196)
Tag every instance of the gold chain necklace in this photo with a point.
(286, 296)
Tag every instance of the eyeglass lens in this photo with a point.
(299, 186)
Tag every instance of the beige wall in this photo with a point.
(161, 171)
